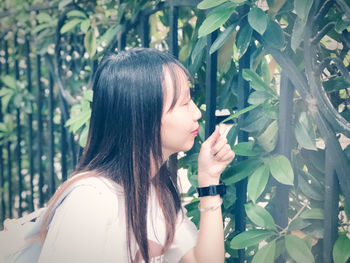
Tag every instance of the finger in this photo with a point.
(225, 149)
(224, 129)
(228, 157)
(220, 143)
(213, 137)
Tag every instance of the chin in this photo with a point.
(188, 147)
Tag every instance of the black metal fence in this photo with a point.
(43, 142)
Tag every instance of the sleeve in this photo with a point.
(184, 240)
(79, 228)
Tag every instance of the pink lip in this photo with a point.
(195, 132)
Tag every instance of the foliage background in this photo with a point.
(276, 34)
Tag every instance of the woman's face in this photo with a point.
(179, 125)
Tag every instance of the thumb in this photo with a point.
(214, 136)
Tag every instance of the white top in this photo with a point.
(89, 226)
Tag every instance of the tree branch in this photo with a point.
(323, 11)
(322, 33)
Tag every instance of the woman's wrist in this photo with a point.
(206, 180)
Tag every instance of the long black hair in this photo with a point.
(124, 135)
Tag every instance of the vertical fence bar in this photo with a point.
(122, 40)
(331, 209)
(173, 24)
(52, 186)
(63, 136)
(63, 150)
(173, 49)
(284, 147)
(2, 178)
(241, 186)
(30, 126)
(144, 30)
(210, 81)
(19, 131)
(40, 130)
(9, 159)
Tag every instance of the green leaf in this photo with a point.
(256, 121)
(198, 54)
(274, 35)
(341, 25)
(335, 84)
(239, 113)
(215, 19)
(275, 6)
(257, 182)
(206, 4)
(70, 25)
(88, 95)
(259, 216)
(298, 33)
(243, 38)
(302, 8)
(76, 13)
(298, 224)
(281, 169)
(44, 17)
(5, 100)
(83, 136)
(63, 3)
(40, 27)
(268, 138)
(250, 238)
(109, 35)
(244, 149)
(221, 39)
(304, 132)
(6, 91)
(84, 26)
(9, 81)
(310, 185)
(271, 110)
(258, 97)
(341, 250)
(313, 213)
(225, 55)
(79, 120)
(240, 171)
(298, 249)
(230, 196)
(90, 42)
(17, 100)
(256, 81)
(265, 71)
(258, 20)
(265, 254)
(238, 2)
(185, 52)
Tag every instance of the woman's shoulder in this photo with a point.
(92, 193)
(100, 184)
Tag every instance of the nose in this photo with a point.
(196, 112)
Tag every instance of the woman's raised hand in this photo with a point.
(214, 156)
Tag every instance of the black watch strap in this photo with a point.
(212, 190)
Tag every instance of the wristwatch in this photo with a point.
(212, 190)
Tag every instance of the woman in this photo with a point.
(127, 206)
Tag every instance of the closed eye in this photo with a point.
(187, 102)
